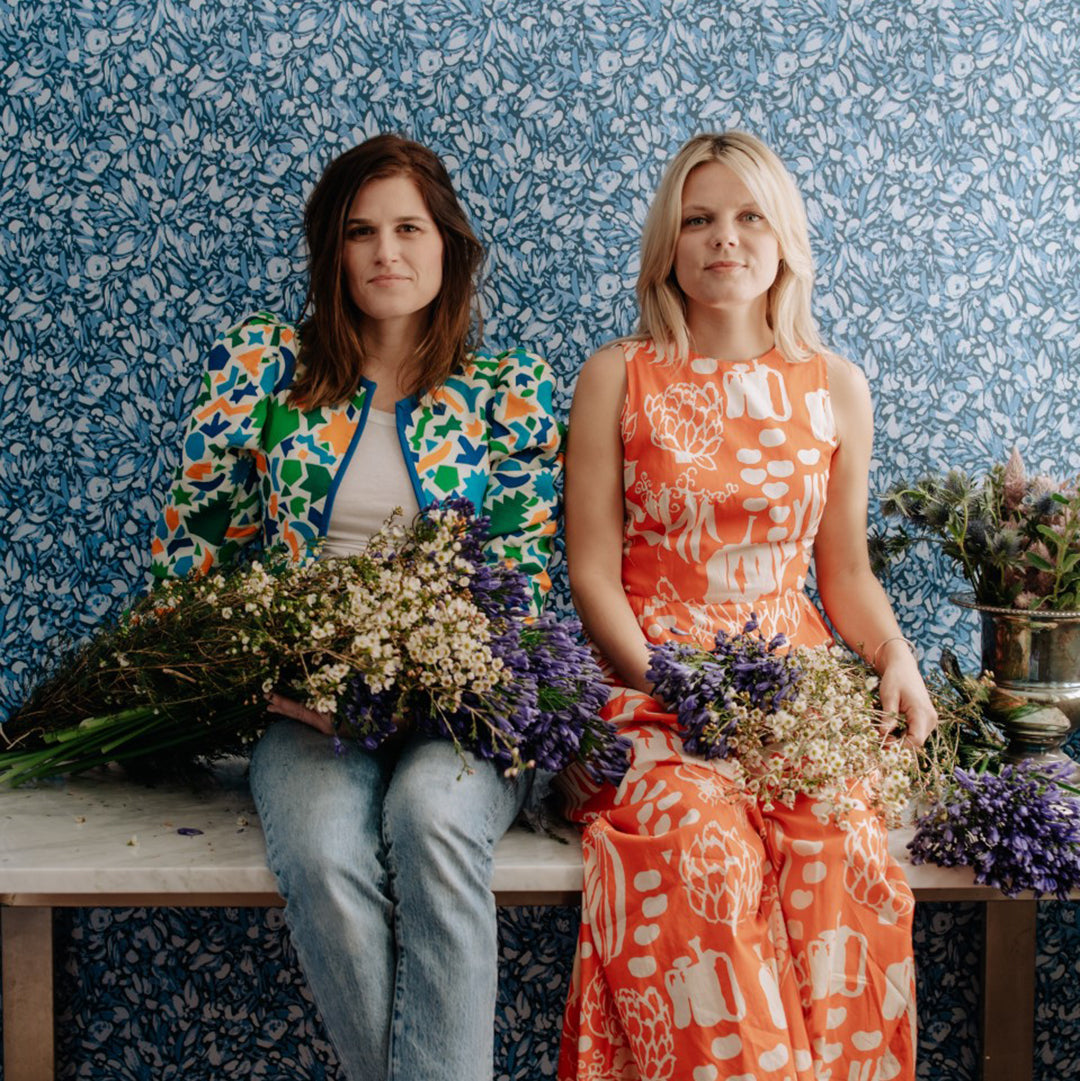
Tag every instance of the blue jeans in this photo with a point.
(384, 860)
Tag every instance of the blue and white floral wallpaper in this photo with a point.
(154, 160)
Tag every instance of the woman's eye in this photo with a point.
(697, 219)
(752, 215)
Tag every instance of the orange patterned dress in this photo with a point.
(721, 942)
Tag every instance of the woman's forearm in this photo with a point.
(612, 627)
(861, 613)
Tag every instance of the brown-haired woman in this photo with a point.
(334, 341)
(384, 858)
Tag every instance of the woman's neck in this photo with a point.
(729, 334)
(390, 348)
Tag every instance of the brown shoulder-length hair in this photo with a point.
(331, 348)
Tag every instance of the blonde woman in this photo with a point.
(709, 458)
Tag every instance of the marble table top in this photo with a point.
(67, 841)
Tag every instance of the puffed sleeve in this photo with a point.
(214, 506)
(524, 446)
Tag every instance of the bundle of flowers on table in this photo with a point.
(791, 720)
(1016, 824)
(417, 633)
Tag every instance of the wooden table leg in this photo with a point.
(26, 952)
(1008, 1015)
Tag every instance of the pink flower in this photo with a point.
(1014, 481)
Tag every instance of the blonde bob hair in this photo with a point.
(662, 302)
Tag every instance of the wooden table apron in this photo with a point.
(1008, 1009)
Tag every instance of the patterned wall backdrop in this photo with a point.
(155, 156)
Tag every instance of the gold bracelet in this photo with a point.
(895, 638)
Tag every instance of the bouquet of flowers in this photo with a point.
(806, 721)
(1016, 538)
(1016, 824)
(417, 632)
(792, 721)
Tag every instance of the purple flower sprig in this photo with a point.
(499, 590)
(1018, 828)
(704, 688)
(545, 717)
(570, 694)
(367, 715)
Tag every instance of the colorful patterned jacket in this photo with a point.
(257, 468)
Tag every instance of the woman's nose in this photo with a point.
(386, 248)
(723, 233)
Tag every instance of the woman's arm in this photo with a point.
(524, 451)
(851, 594)
(214, 507)
(594, 516)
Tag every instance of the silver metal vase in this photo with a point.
(1034, 657)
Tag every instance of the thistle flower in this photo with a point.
(1004, 545)
(1015, 538)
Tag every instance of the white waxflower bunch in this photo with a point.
(791, 721)
(418, 631)
(407, 618)
(831, 741)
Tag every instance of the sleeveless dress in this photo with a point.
(721, 942)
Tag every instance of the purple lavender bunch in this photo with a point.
(705, 687)
(546, 716)
(498, 589)
(491, 726)
(366, 715)
(1019, 829)
(570, 694)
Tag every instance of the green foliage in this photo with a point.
(965, 738)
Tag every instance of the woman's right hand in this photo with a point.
(287, 707)
(903, 692)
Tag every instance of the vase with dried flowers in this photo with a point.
(1016, 539)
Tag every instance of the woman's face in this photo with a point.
(393, 251)
(727, 255)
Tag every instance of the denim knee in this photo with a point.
(321, 813)
(322, 818)
(444, 816)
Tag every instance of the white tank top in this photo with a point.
(375, 482)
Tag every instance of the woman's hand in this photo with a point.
(902, 691)
(286, 707)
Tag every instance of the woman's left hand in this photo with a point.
(286, 707)
(903, 691)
